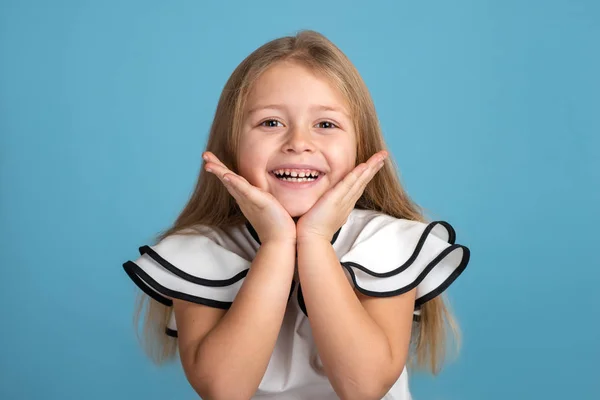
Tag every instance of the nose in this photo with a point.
(298, 140)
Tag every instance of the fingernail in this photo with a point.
(208, 170)
(226, 179)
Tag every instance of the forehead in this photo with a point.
(293, 84)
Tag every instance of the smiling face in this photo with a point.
(295, 123)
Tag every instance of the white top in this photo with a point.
(381, 256)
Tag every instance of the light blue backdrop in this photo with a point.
(491, 109)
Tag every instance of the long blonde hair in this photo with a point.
(211, 204)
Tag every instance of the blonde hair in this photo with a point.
(211, 204)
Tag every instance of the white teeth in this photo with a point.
(295, 174)
(297, 179)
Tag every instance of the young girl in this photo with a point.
(299, 269)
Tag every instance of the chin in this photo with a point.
(297, 210)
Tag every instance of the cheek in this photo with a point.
(341, 157)
(252, 164)
(251, 171)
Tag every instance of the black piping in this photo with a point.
(301, 300)
(134, 271)
(191, 278)
(130, 268)
(291, 290)
(171, 332)
(419, 302)
(414, 255)
(335, 235)
(146, 283)
(437, 291)
(459, 269)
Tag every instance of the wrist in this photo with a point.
(312, 239)
(279, 243)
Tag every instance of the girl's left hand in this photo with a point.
(331, 211)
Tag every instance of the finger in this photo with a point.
(346, 184)
(210, 157)
(377, 158)
(232, 184)
(245, 193)
(359, 172)
(354, 193)
(376, 162)
(373, 165)
(217, 169)
(214, 165)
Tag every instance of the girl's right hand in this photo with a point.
(268, 217)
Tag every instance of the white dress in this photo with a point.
(380, 255)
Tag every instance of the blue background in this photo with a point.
(491, 110)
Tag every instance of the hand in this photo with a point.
(268, 217)
(331, 211)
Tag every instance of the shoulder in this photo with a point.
(202, 264)
(367, 225)
(203, 237)
(388, 256)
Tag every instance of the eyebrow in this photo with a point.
(318, 107)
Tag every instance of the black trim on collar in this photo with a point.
(291, 290)
(191, 278)
(143, 280)
(171, 332)
(130, 268)
(416, 251)
(254, 234)
(422, 300)
(419, 302)
(301, 300)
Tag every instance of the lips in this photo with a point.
(296, 173)
(297, 182)
(298, 168)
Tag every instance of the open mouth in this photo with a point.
(297, 176)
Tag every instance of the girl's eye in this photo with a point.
(326, 125)
(271, 123)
